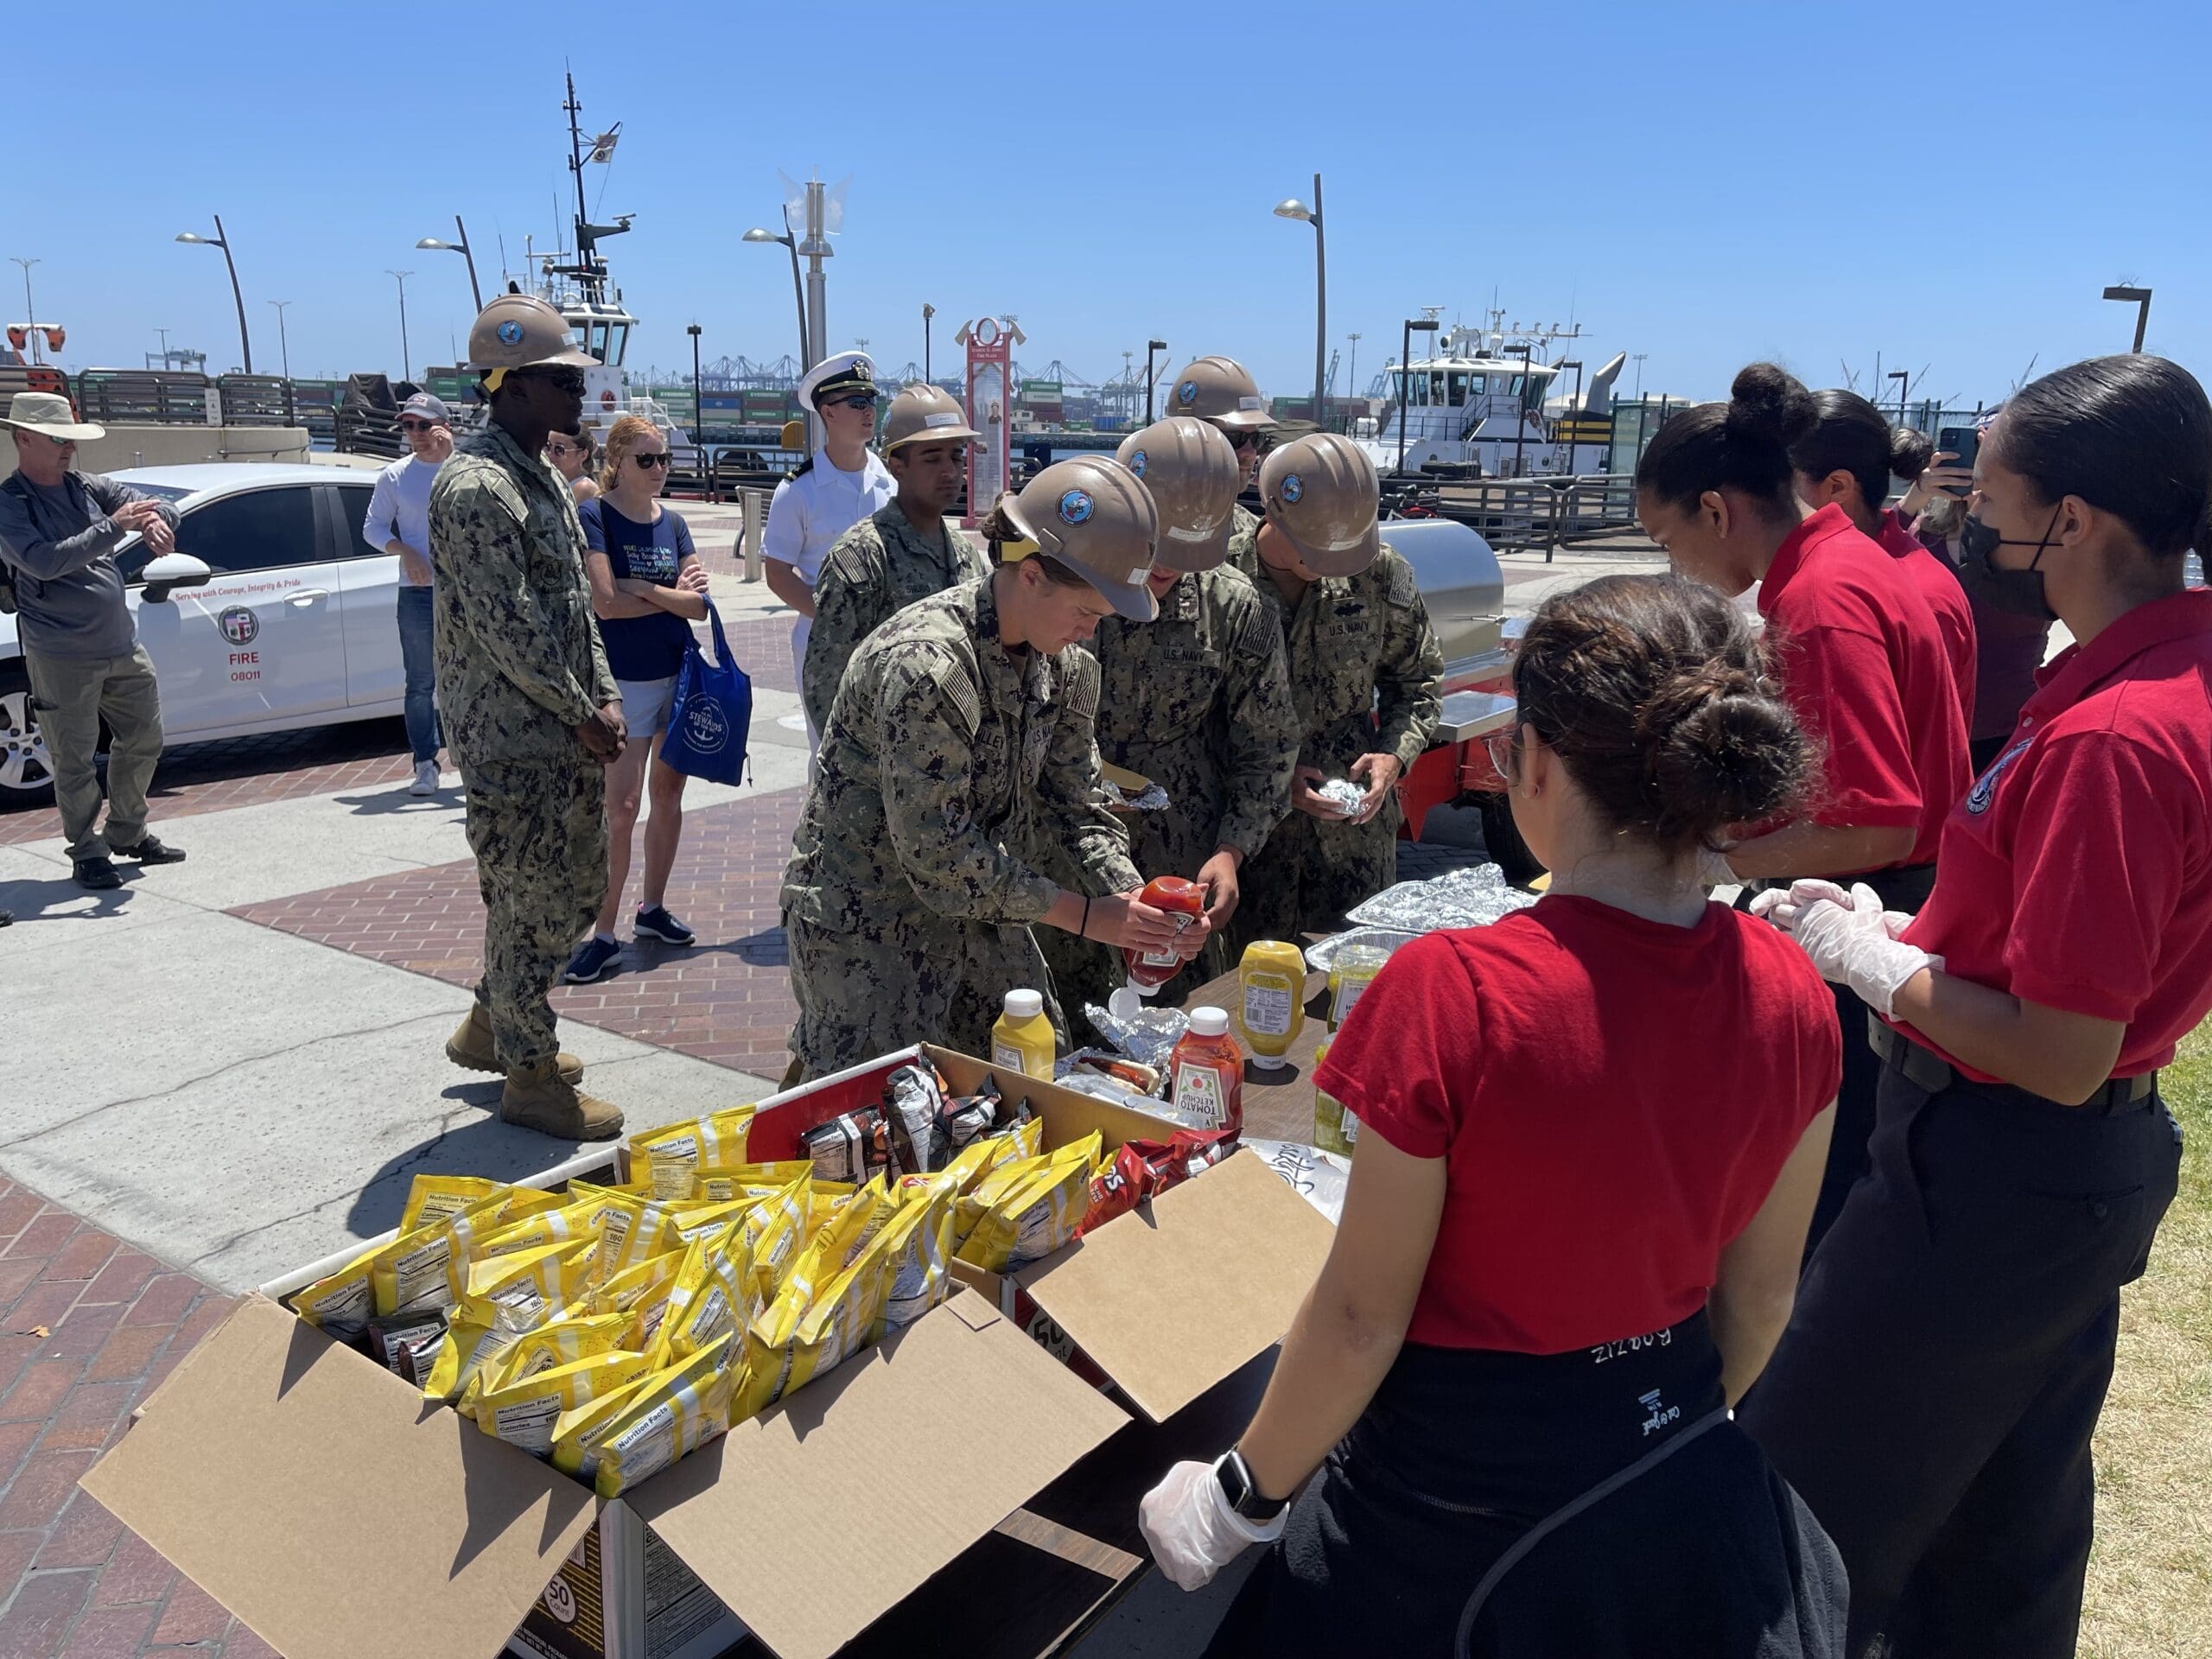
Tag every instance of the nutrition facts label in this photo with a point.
(1267, 1010)
(528, 1423)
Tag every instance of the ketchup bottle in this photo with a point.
(1150, 969)
(1205, 1074)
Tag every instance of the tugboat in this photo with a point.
(1477, 408)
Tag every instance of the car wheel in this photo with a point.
(1501, 840)
(26, 778)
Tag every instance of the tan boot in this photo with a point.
(470, 1048)
(536, 1098)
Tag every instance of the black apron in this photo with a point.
(1505, 1506)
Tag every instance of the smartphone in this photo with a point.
(1962, 443)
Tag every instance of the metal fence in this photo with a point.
(1525, 515)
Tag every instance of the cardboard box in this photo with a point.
(322, 1500)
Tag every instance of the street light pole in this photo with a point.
(30, 308)
(1296, 209)
(1640, 356)
(928, 311)
(1150, 347)
(1351, 369)
(698, 397)
(461, 248)
(799, 298)
(1521, 431)
(1904, 386)
(2141, 298)
(406, 361)
(1413, 326)
(220, 240)
(283, 344)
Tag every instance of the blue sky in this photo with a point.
(1949, 185)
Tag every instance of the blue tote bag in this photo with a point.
(713, 712)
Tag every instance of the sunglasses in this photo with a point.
(661, 459)
(418, 426)
(568, 380)
(858, 400)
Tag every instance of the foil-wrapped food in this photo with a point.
(1146, 1036)
(1151, 798)
(1343, 794)
(1474, 897)
(1323, 952)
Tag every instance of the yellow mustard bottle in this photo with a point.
(1335, 1128)
(1021, 1038)
(1273, 979)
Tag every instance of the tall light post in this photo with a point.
(218, 240)
(1904, 386)
(2140, 298)
(462, 248)
(283, 344)
(698, 397)
(928, 311)
(1351, 369)
(30, 308)
(1413, 326)
(1150, 347)
(1521, 432)
(406, 362)
(1294, 208)
(799, 298)
(1640, 356)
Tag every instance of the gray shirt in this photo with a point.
(60, 547)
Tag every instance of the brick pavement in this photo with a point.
(88, 1328)
(726, 1000)
(196, 778)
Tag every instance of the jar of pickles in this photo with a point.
(1351, 973)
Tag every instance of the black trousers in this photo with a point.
(1902, 890)
(1934, 1396)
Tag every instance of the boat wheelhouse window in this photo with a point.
(1459, 389)
(1509, 384)
(617, 341)
(1436, 386)
(1475, 384)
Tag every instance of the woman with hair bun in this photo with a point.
(1848, 458)
(1574, 1218)
(1935, 1394)
(1862, 657)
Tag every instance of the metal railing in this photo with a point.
(1523, 515)
(143, 397)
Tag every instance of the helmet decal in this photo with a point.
(510, 332)
(1075, 507)
(1293, 487)
(1187, 393)
(1136, 463)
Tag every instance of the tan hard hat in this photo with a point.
(520, 331)
(1321, 493)
(1192, 473)
(1092, 515)
(922, 413)
(1220, 388)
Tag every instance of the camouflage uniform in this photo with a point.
(881, 565)
(907, 906)
(1358, 647)
(519, 664)
(1199, 702)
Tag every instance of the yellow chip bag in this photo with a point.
(427, 1268)
(559, 1342)
(918, 1247)
(341, 1304)
(796, 1339)
(621, 1293)
(579, 1189)
(557, 1226)
(726, 1182)
(522, 1412)
(473, 1342)
(712, 1297)
(1003, 1177)
(648, 1310)
(665, 1158)
(634, 1231)
(524, 1202)
(577, 1434)
(1037, 1215)
(775, 1231)
(441, 1197)
(527, 1288)
(694, 1221)
(676, 1411)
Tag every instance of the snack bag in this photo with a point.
(694, 1221)
(1201, 1149)
(665, 1159)
(1115, 1189)
(582, 1189)
(676, 1411)
(562, 1342)
(797, 1339)
(913, 1102)
(622, 1293)
(524, 1202)
(724, 1182)
(561, 1225)
(473, 1344)
(775, 1231)
(529, 1288)
(972, 1118)
(1028, 1138)
(428, 1267)
(341, 1306)
(916, 1245)
(632, 1230)
(523, 1412)
(711, 1298)
(577, 1433)
(441, 1197)
(1038, 1214)
(642, 1334)
(850, 1147)
(407, 1345)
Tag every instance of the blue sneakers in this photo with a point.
(594, 959)
(657, 924)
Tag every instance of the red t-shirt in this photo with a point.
(1612, 1096)
(1864, 667)
(1939, 585)
(2078, 872)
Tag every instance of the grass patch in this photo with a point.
(2150, 1589)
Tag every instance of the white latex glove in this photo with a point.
(1783, 905)
(1850, 944)
(1191, 1531)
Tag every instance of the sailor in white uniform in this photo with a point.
(835, 488)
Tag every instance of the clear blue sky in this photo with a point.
(1948, 184)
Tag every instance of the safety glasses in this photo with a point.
(568, 380)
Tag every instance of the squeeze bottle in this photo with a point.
(1205, 1074)
(1150, 969)
(1021, 1038)
(1273, 979)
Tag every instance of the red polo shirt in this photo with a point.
(1864, 666)
(2078, 872)
(1939, 585)
(1613, 1097)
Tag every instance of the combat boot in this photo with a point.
(470, 1048)
(537, 1098)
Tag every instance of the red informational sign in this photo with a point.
(990, 458)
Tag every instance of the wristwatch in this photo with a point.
(1243, 1493)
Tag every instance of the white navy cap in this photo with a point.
(840, 375)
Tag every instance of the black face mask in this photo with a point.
(2019, 592)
